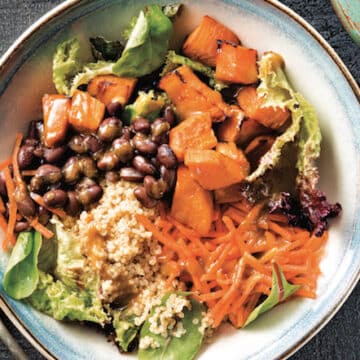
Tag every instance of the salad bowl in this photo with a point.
(313, 68)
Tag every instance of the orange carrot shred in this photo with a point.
(5, 163)
(10, 187)
(43, 230)
(40, 201)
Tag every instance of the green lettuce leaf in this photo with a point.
(89, 71)
(62, 302)
(147, 104)
(125, 329)
(171, 347)
(174, 60)
(21, 275)
(66, 64)
(71, 263)
(309, 142)
(280, 290)
(277, 92)
(148, 42)
(172, 10)
(105, 50)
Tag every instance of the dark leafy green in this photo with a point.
(21, 274)
(48, 255)
(280, 290)
(148, 42)
(171, 347)
(106, 50)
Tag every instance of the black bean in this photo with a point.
(39, 151)
(122, 149)
(108, 161)
(159, 127)
(126, 133)
(109, 129)
(32, 130)
(49, 174)
(144, 145)
(78, 144)
(131, 174)
(36, 184)
(143, 165)
(43, 215)
(72, 170)
(21, 226)
(166, 156)
(3, 191)
(94, 144)
(141, 125)
(114, 108)
(54, 155)
(55, 198)
(161, 139)
(156, 189)
(25, 156)
(168, 175)
(169, 115)
(140, 194)
(88, 166)
(73, 206)
(25, 203)
(88, 191)
(35, 129)
(112, 176)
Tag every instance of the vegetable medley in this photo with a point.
(165, 191)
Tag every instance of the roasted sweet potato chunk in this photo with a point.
(110, 88)
(213, 170)
(56, 109)
(251, 103)
(236, 64)
(86, 112)
(193, 133)
(191, 96)
(201, 44)
(192, 205)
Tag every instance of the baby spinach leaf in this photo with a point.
(47, 255)
(148, 42)
(280, 290)
(21, 274)
(105, 50)
(171, 347)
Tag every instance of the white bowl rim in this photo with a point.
(56, 12)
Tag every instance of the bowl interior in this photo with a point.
(262, 26)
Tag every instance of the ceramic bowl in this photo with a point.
(313, 68)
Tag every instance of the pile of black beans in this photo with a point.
(68, 176)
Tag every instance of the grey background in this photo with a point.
(340, 338)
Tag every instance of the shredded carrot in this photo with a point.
(230, 268)
(5, 163)
(43, 230)
(2, 206)
(16, 169)
(25, 173)
(40, 201)
(10, 187)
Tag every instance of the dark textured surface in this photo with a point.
(340, 338)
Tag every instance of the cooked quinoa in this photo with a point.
(121, 250)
